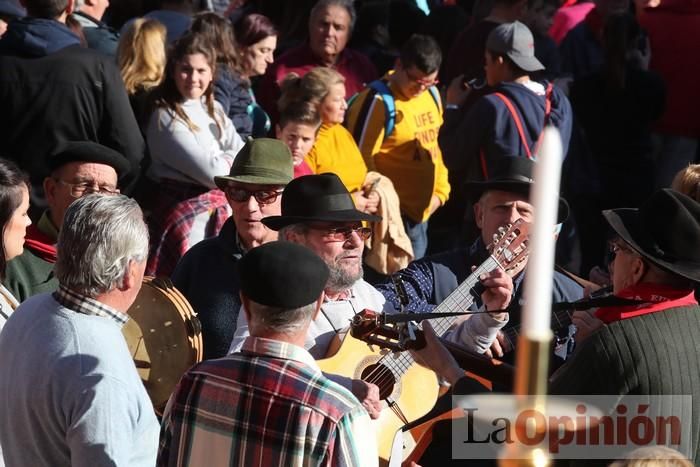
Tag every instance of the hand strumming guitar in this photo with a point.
(368, 395)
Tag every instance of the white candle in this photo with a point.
(544, 196)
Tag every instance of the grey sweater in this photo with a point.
(70, 393)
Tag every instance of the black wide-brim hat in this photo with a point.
(514, 175)
(665, 230)
(321, 198)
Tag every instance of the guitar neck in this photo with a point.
(463, 296)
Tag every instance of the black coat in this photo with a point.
(208, 277)
(52, 90)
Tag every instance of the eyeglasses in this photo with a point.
(422, 81)
(77, 190)
(343, 234)
(617, 246)
(241, 195)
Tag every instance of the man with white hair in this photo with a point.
(69, 391)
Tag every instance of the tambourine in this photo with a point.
(164, 337)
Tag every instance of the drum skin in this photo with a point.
(164, 337)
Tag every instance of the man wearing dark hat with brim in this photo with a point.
(651, 348)
(318, 212)
(77, 168)
(269, 403)
(207, 273)
(510, 118)
(499, 201)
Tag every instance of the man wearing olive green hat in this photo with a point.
(207, 274)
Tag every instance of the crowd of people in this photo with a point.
(290, 164)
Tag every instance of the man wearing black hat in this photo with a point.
(497, 202)
(269, 404)
(649, 348)
(78, 168)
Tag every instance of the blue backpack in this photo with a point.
(380, 86)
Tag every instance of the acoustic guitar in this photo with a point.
(407, 390)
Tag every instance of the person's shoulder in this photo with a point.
(566, 288)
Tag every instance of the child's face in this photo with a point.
(299, 138)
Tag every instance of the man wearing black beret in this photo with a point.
(78, 168)
(269, 404)
(318, 212)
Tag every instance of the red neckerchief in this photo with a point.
(40, 243)
(595, 22)
(659, 298)
(569, 3)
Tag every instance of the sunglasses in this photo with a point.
(343, 234)
(241, 195)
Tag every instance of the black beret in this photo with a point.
(89, 151)
(283, 275)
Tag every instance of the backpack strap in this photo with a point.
(381, 87)
(516, 118)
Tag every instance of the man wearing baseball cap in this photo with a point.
(78, 168)
(207, 273)
(511, 117)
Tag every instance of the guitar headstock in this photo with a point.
(511, 246)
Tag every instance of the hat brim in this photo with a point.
(223, 180)
(527, 63)
(474, 190)
(625, 222)
(351, 215)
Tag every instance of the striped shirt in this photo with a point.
(267, 405)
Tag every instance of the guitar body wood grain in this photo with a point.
(413, 395)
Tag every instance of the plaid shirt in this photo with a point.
(88, 306)
(269, 405)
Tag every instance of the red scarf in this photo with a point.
(41, 244)
(659, 298)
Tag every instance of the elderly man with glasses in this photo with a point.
(318, 213)
(207, 274)
(77, 169)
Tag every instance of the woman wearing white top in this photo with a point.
(190, 140)
(14, 203)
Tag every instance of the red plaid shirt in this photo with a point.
(267, 405)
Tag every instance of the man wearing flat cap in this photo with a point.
(269, 404)
(207, 273)
(78, 168)
(501, 200)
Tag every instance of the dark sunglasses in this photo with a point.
(241, 195)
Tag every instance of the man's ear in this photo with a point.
(638, 270)
(278, 131)
(319, 302)
(130, 278)
(70, 7)
(478, 215)
(49, 185)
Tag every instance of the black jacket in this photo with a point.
(52, 90)
(208, 277)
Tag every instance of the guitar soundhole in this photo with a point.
(382, 377)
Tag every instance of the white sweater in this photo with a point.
(181, 154)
